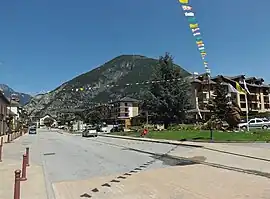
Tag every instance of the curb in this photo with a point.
(187, 145)
(151, 140)
(229, 142)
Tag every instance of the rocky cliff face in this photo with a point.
(23, 97)
(114, 79)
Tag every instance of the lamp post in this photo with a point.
(208, 72)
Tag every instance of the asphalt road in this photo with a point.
(72, 157)
(71, 162)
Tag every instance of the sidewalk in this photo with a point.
(189, 182)
(252, 152)
(243, 158)
(173, 142)
(34, 187)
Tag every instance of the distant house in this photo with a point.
(4, 103)
(16, 108)
(41, 120)
(124, 109)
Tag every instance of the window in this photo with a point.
(126, 114)
(126, 104)
(252, 121)
(126, 109)
(258, 120)
(204, 96)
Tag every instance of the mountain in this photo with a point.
(112, 80)
(24, 98)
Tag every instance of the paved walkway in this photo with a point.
(188, 182)
(220, 179)
(34, 187)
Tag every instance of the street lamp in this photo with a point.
(208, 72)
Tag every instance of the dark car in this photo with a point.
(33, 130)
(118, 128)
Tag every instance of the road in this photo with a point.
(69, 157)
(102, 167)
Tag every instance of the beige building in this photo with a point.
(124, 109)
(4, 103)
(258, 100)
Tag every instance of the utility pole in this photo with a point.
(147, 120)
(209, 93)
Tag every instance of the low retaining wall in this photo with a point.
(13, 135)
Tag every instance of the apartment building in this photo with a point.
(124, 109)
(259, 97)
(4, 103)
(202, 89)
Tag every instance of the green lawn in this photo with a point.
(204, 135)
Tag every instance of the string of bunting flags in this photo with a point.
(194, 26)
(90, 88)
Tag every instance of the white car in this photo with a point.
(90, 132)
(256, 123)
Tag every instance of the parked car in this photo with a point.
(257, 123)
(32, 130)
(90, 132)
(117, 128)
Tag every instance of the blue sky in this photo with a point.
(45, 43)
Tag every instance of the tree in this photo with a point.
(94, 117)
(219, 104)
(83, 116)
(167, 100)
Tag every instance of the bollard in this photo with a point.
(8, 138)
(27, 155)
(17, 186)
(1, 148)
(23, 178)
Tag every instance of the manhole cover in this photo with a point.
(49, 154)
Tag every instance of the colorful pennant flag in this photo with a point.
(198, 38)
(196, 34)
(194, 26)
(108, 86)
(189, 14)
(192, 19)
(184, 1)
(187, 8)
(195, 29)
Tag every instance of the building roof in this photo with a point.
(4, 97)
(248, 84)
(14, 103)
(48, 115)
(236, 77)
(128, 99)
